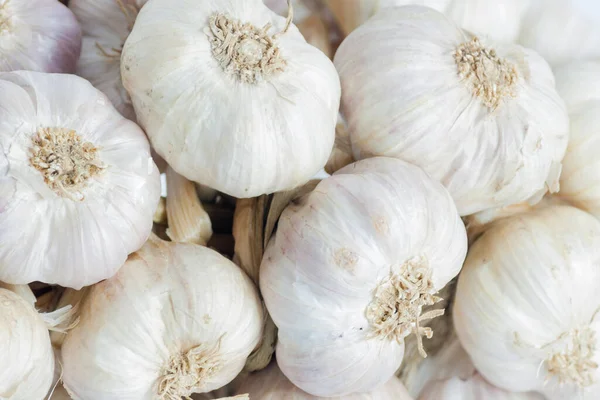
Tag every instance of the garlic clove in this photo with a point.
(188, 222)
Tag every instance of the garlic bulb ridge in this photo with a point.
(276, 97)
(481, 117)
(75, 201)
(350, 268)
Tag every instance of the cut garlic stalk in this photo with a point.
(188, 221)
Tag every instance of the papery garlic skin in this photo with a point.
(78, 186)
(176, 301)
(579, 84)
(338, 254)
(38, 35)
(474, 388)
(403, 97)
(560, 32)
(245, 129)
(106, 25)
(497, 20)
(271, 384)
(526, 297)
(27, 362)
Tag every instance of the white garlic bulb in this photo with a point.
(560, 31)
(498, 20)
(349, 269)
(106, 25)
(38, 35)
(474, 388)
(579, 84)
(526, 307)
(493, 139)
(78, 185)
(244, 116)
(271, 384)
(191, 319)
(27, 361)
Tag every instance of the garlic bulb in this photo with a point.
(493, 138)
(271, 384)
(498, 20)
(579, 84)
(526, 304)
(349, 269)
(38, 35)
(474, 388)
(27, 362)
(276, 97)
(560, 31)
(192, 317)
(22, 290)
(106, 25)
(78, 185)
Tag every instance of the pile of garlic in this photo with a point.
(299, 199)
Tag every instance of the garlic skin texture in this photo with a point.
(38, 35)
(526, 308)
(492, 141)
(77, 185)
(27, 362)
(192, 319)
(579, 84)
(106, 25)
(258, 122)
(332, 275)
(474, 388)
(496, 20)
(560, 31)
(271, 384)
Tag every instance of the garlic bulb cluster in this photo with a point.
(176, 319)
(250, 107)
(27, 362)
(474, 388)
(579, 84)
(350, 268)
(560, 31)
(78, 185)
(482, 118)
(271, 384)
(38, 35)
(526, 307)
(106, 25)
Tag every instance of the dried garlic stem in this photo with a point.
(186, 372)
(262, 355)
(245, 51)
(188, 221)
(66, 162)
(395, 310)
(488, 76)
(575, 364)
